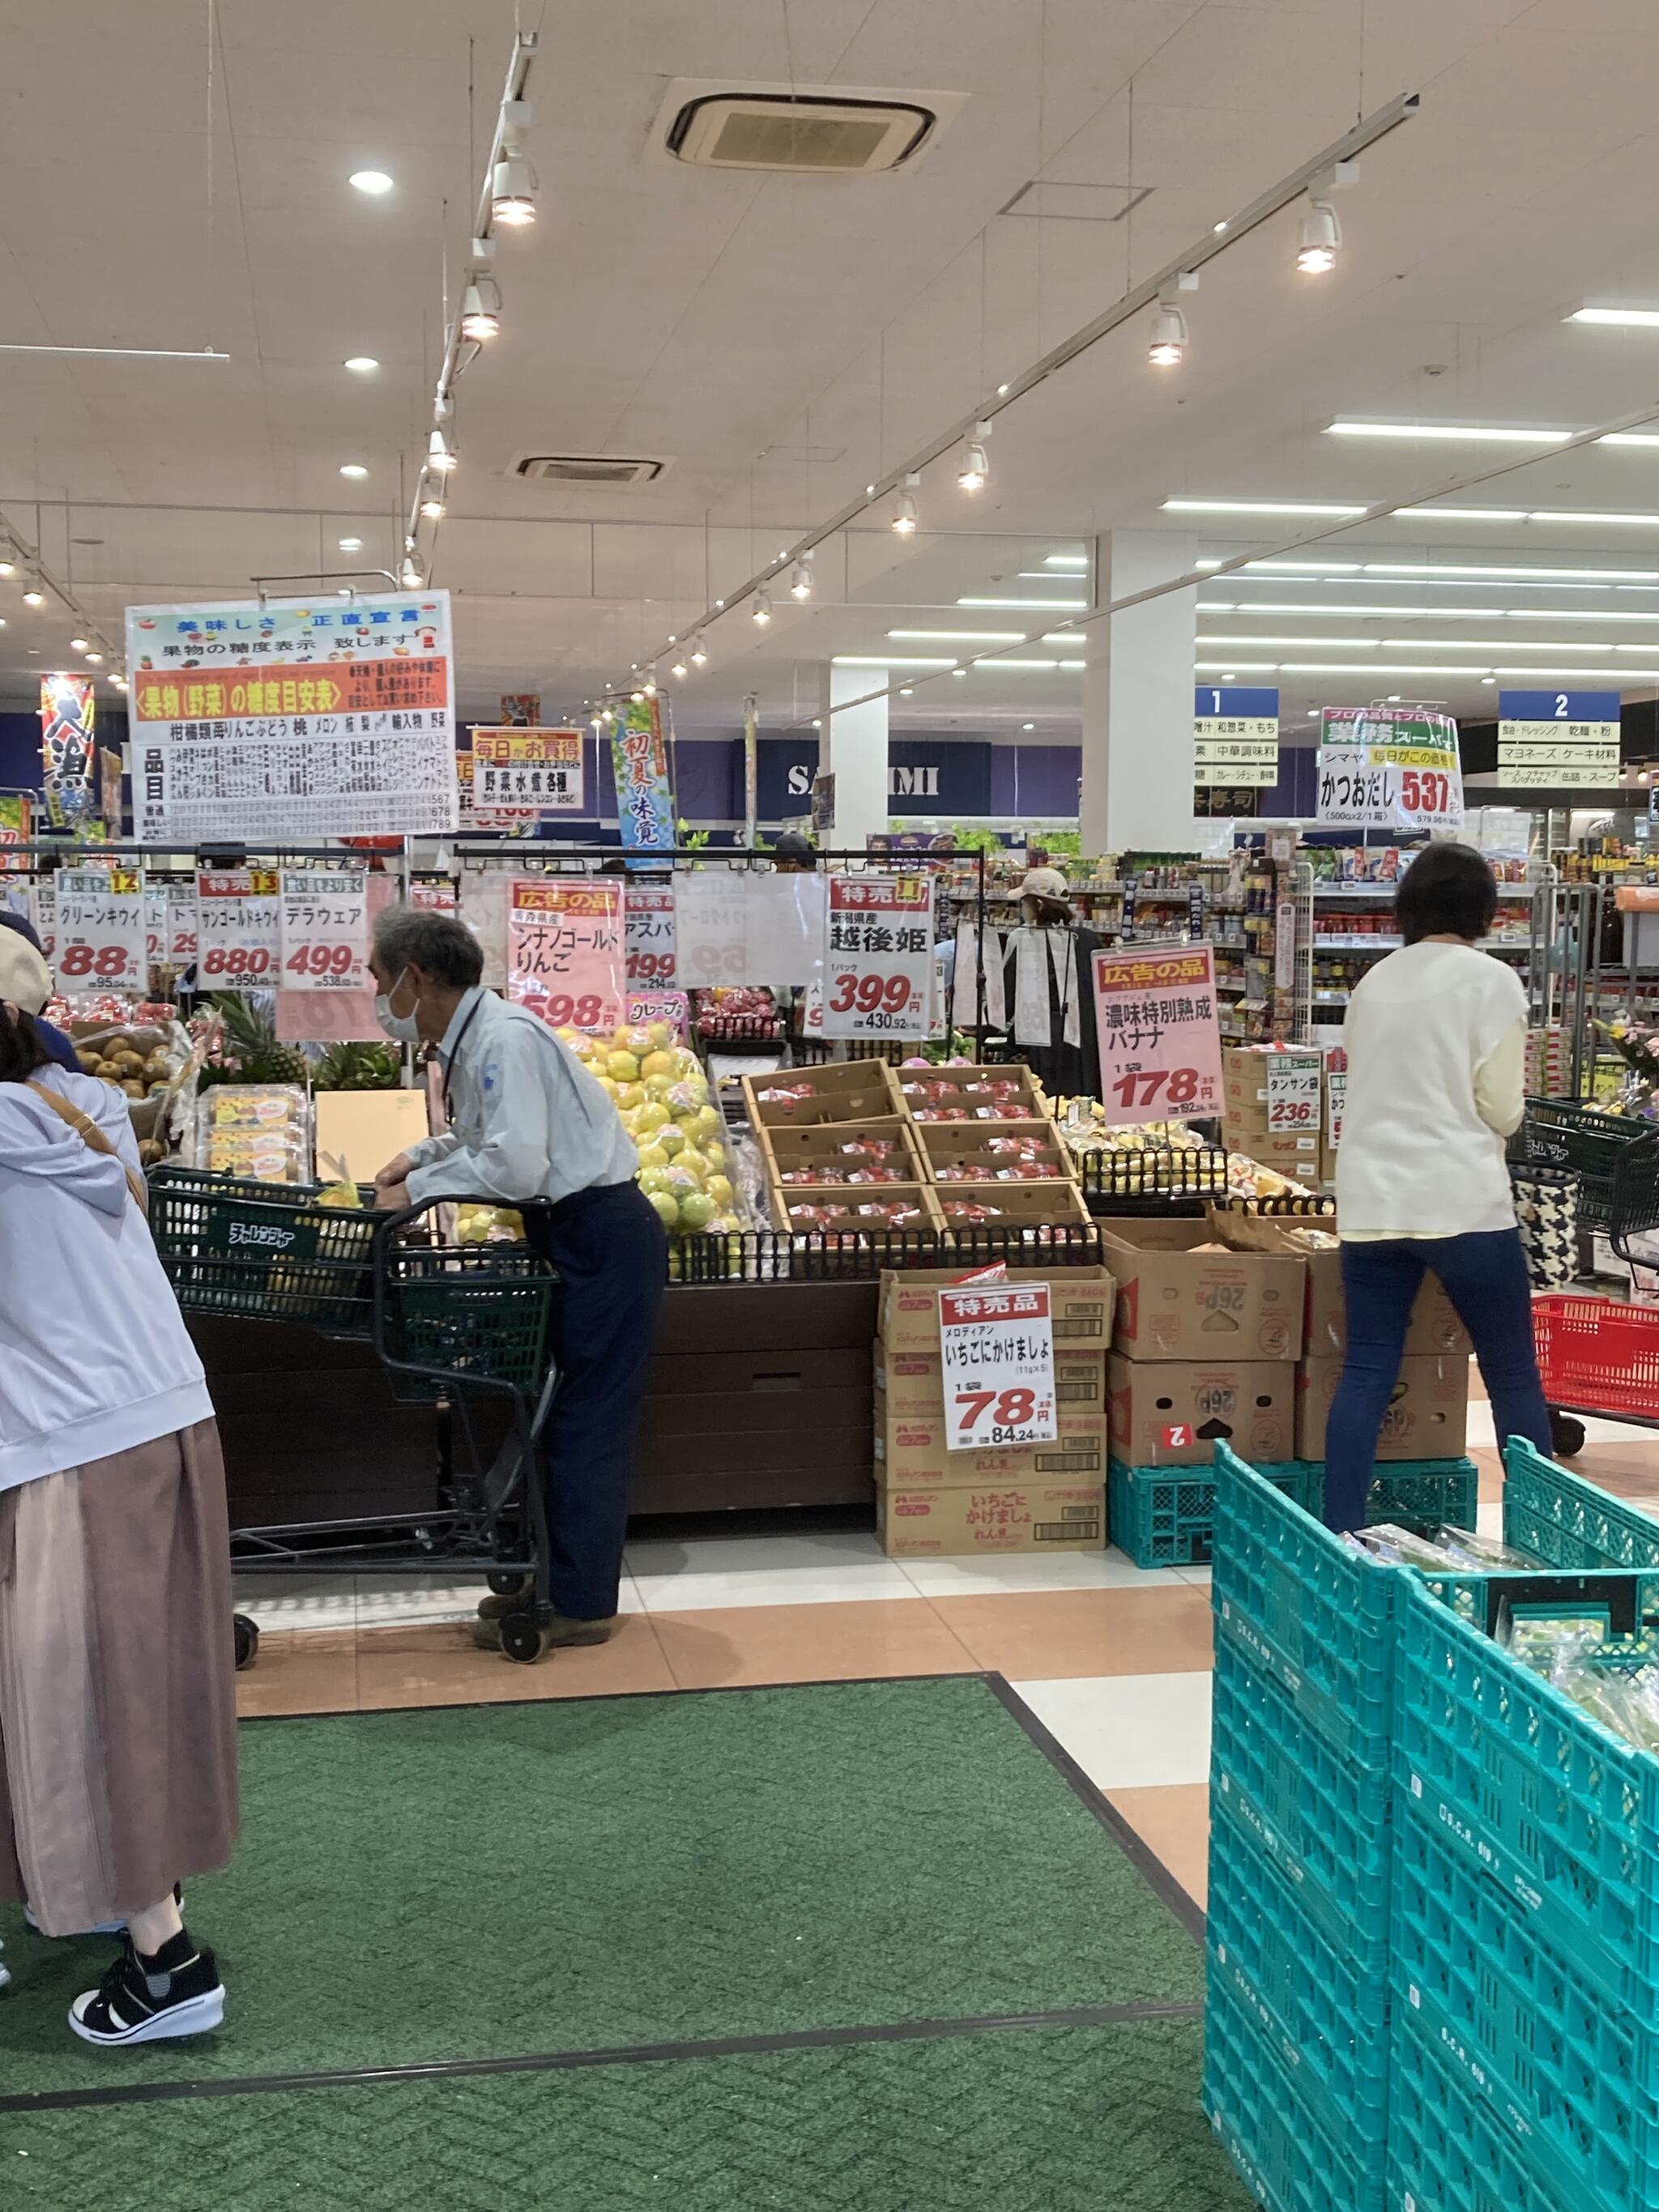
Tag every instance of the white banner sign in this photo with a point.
(1389, 767)
(997, 1356)
(288, 721)
(324, 929)
(879, 966)
(739, 926)
(1336, 1098)
(238, 926)
(101, 943)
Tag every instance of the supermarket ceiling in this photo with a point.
(778, 340)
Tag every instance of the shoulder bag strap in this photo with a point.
(93, 1137)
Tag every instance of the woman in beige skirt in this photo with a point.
(117, 1755)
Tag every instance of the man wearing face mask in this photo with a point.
(529, 1127)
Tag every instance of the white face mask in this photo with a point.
(402, 1028)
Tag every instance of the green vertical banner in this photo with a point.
(644, 803)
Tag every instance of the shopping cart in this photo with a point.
(463, 1328)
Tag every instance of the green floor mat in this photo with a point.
(491, 1882)
(1079, 2120)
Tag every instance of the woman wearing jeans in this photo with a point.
(1436, 1038)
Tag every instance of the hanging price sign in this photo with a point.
(997, 1357)
(1336, 1098)
(43, 913)
(101, 938)
(436, 892)
(324, 929)
(1389, 767)
(648, 913)
(1293, 1088)
(180, 945)
(879, 968)
(566, 954)
(1160, 1040)
(238, 926)
(520, 773)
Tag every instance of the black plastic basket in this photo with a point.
(765, 1256)
(1559, 1134)
(263, 1251)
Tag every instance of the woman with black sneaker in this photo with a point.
(118, 1751)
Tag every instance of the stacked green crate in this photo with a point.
(1164, 1517)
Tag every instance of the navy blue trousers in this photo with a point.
(609, 1248)
(1484, 1276)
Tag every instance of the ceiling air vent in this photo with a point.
(586, 469)
(809, 130)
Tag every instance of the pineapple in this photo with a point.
(251, 1038)
(358, 1068)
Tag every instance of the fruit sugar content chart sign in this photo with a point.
(324, 929)
(997, 1357)
(292, 721)
(1389, 767)
(238, 929)
(1551, 737)
(566, 956)
(878, 961)
(519, 774)
(1235, 735)
(102, 942)
(1160, 1039)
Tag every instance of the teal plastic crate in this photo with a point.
(1164, 1517)
(1447, 2152)
(1324, 2015)
(1559, 1516)
(1427, 1493)
(1287, 2157)
(1571, 2077)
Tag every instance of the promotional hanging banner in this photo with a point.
(878, 962)
(324, 930)
(102, 944)
(68, 711)
(290, 721)
(519, 774)
(239, 929)
(648, 916)
(1389, 767)
(997, 1358)
(1160, 1038)
(567, 958)
(1293, 1092)
(15, 816)
(638, 760)
(1235, 736)
(436, 892)
(1547, 738)
(521, 710)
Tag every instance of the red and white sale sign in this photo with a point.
(1159, 1037)
(238, 929)
(878, 967)
(102, 943)
(566, 953)
(997, 1355)
(648, 911)
(1293, 1092)
(324, 929)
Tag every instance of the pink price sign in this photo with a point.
(565, 955)
(1159, 1037)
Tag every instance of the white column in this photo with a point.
(852, 748)
(1138, 700)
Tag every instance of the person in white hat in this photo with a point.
(1047, 987)
(26, 982)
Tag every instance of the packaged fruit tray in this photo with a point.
(809, 1209)
(840, 1152)
(1009, 1204)
(839, 1090)
(971, 1094)
(955, 1152)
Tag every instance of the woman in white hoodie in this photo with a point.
(118, 1759)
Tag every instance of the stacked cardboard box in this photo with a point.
(1037, 1497)
(1300, 1154)
(999, 1173)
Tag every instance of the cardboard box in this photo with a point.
(1173, 1413)
(911, 1452)
(964, 1519)
(1296, 1157)
(966, 1087)
(913, 1383)
(1081, 1306)
(1427, 1417)
(786, 1199)
(836, 1091)
(952, 1145)
(798, 1150)
(1434, 1326)
(1174, 1303)
(1018, 1204)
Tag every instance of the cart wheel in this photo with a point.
(247, 1639)
(1567, 1434)
(508, 1585)
(523, 1638)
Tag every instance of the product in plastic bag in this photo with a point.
(1471, 1549)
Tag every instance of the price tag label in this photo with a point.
(43, 913)
(649, 919)
(1389, 767)
(324, 929)
(997, 1356)
(1293, 1088)
(567, 959)
(102, 943)
(1159, 1037)
(645, 1008)
(1336, 1098)
(878, 967)
(239, 924)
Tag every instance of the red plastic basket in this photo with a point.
(1597, 1354)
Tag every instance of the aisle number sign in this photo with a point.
(239, 929)
(1293, 1092)
(1159, 1035)
(1389, 767)
(997, 1357)
(566, 955)
(878, 964)
(519, 774)
(1547, 738)
(102, 943)
(1235, 735)
(324, 929)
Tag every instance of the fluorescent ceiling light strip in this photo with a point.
(1433, 614)
(1630, 438)
(1255, 506)
(886, 660)
(1473, 433)
(1449, 568)
(122, 353)
(961, 636)
(1044, 606)
(1432, 644)
(1607, 518)
(1643, 318)
(1066, 560)
(1296, 568)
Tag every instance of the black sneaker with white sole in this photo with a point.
(101, 1927)
(177, 1992)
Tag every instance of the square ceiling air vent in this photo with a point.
(822, 131)
(586, 469)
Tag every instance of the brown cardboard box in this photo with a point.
(1434, 1326)
(911, 1452)
(1174, 1303)
(914, 1386)
(1297, 1158)
(1081, 1307)
(795, 1204)
(963, 1519)
(1427, 1418)
(1171, 1414)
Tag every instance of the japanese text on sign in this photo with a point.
(520, 773)
(1293, 1088)
(102, 943)
(1235, 735)
(1159, 1037)
(1389, 767)
(645, 1008)
(566, 958)
(239, 929)
(324, 929)
(1336, 1099)
(997, 1357)
(1549, 738)
(638, 759)
(879, 966)
(648, 913)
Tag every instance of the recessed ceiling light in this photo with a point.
(1061, 607)
(375, 182)
(1469, 433)
(351, 546)
(1028, 725)
(362, 364)
(1255, 506)
(1489, 679)
(1645, 319)
(353, 468)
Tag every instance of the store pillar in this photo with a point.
(852, 748)
(1138, 699)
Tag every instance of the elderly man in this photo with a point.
(530, 1127)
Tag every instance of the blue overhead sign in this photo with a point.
(1212, 701)
(1557, 706)
(1547, 738)
(1235, 735)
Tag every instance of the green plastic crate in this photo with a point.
(1559, 1516)
(1164, 1517)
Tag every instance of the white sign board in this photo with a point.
(102, 941)
(997, 1357)
(239, 929)
(324, 929)
(1547, 738)
(1293, 1088)
(878, 963)
(739, 925)
(1389, 767)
